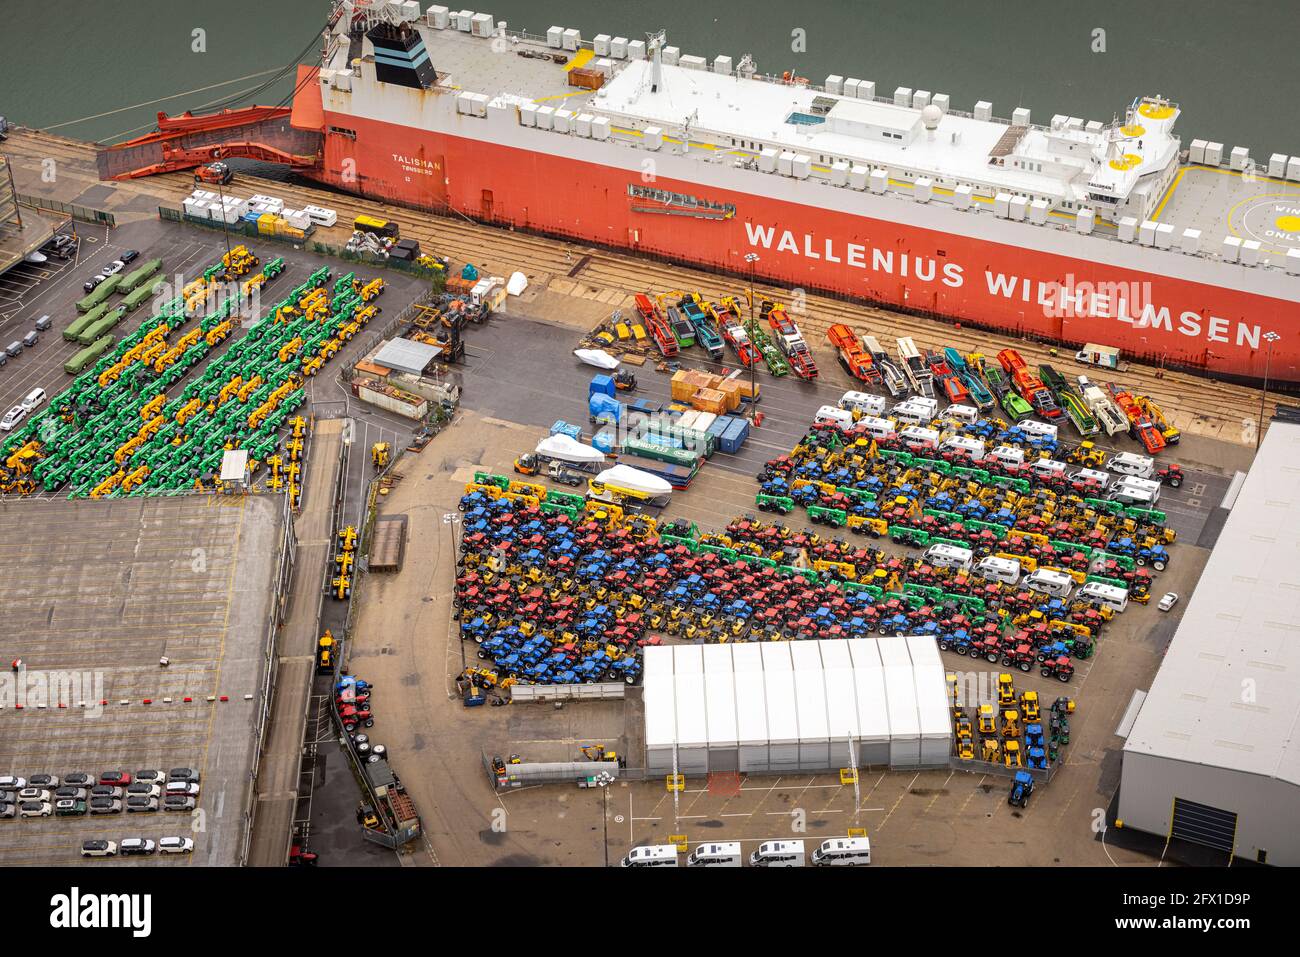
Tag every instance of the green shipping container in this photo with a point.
(661, 453)
(138, 277)
(81, 322)
(87, 355)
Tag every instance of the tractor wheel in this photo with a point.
(1025, 666)
(1175, 483)
(482, 653)
(943, 646)
(1158, 566)
(1064, 677)
(1047, 672)
(1141, 560)
(991, 659)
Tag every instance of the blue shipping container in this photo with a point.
(735, 436)
(603, 441)
(602, 384)
(572, 431)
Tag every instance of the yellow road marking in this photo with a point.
(580, 59)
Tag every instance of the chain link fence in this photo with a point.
(85, 214)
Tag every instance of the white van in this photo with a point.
(1047, 469)
(1039, 429)
(654, 855)
(1130, 463)
(1049, 582)
(878, 429)
(970, 449)
(965, 414)
(843, 852)
(919, 439)
(778, 854)
(1146, 485)
(918, 410)
(862, 403)
(1101, 478)
(1008, 455)
(321, 216)
(949, 556)
(33, 399)
(829, 415)
(1111, 596)
(715, 855)
(996, 569)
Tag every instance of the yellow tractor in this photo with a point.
(325, 652)
(1029, 706)
(1006, 691)
(342, 586)
(1010, 723)
(348, 539)
(379, 455)
(1011, 755)
(987, 719)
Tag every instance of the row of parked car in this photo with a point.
(112, 269)
(79, 793)
(137, 846)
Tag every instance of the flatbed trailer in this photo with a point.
(918, 374)
(683, 330)
(893, 379)
(979, 392)
(790, 340)
(1028, 385)
(727, 315)
(773, 357)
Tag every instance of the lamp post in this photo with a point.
(453, 519)
(1270, 338)
(752, 258)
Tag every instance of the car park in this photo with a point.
(104, 805)
(176, 845)
(98, 848)
(69, 808)
(35, 809)
(139, 802)
(136, 846)
(178, 802)
(1168, 601)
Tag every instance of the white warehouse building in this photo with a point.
(1212, 755)
(777, 706)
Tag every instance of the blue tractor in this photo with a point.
(1021, 788)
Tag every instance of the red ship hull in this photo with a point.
(1009, 289)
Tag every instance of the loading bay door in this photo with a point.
(1202, 824)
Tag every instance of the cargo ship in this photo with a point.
(1067, 231)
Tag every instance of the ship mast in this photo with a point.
(655, 41)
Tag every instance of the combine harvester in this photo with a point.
(856, 361)
(790, 339)
(894, 380)
(727, 315)
(1070, 401)
(1140, 425)
(1012, 404)
(1109, 418)
(653, 319)
(920, 377)
(1030, 387)
(979, 393)
(952, 386)
(706, 334)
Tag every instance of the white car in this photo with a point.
(33, 794)
(98, 848)
(11, 782)
(12, 418)
(188, 788)
(113, 268)
(35, 809)
(1170, 599)
(175, 845)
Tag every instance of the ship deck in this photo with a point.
(1223, 203)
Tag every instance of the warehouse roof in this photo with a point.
(406, 355)
(1228, 692)
(793, 691)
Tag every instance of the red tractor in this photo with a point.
(1058, 668)
(1171, 475)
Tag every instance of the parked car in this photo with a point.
(8, 810)
(188, 788)
(68, 808)
(103, 805)
(33, 794)
(12, 418)
(44, 781)
(113, 268)
(11, 782)
(90, 284)
(131, 255)
(150, 777)
(44, 323)
(106, 791)
(139, 802)
(118, 778)
(177, 802)
(183, 774)
(78, 779)
(1168, 601)
(35, 809)
(137, 845)
(67, 793)
(98, 848)
(144, 788)
(176, 845)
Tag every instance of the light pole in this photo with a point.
(453, 519)
(752, 258)
(221, 191)
(1270, 338)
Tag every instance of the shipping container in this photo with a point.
(405, 404)
(602, 384)
(661, 453)
(87, 355)
(376, 225)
